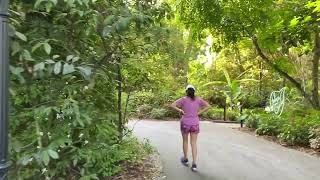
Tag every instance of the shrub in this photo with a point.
(251, 120)
(314, 131)
(158, 113)
(296, 132)
(233, 115)
(289, 111)
(143, 111)
(253, 101)
(215, 113)
(315, 138)
(141, 98)
(270, 125)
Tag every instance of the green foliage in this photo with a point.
(233, 115)
(273, 27)
(296, 132)
(143, 111)
(215, 113)
(251, 120)
(270, 125)
(293, 127)
(314, 138)
(65, 58)
(68, 59)
(158, 113)
(146, 104)
(300, 127)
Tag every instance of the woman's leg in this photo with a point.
(185, 144)
(193, 141)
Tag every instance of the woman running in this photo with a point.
(190, 107)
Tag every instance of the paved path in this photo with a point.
(227, 154)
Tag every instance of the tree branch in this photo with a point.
(281, 72)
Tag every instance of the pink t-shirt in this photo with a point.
(190, 108)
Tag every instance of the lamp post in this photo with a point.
(4, 88)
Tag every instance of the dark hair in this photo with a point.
(190, 93)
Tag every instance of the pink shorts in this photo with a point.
(189, 128)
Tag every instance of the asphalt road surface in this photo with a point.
(226, 154)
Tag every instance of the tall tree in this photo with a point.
(271, 26)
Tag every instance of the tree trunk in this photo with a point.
(260, 77)
(225, 112)
(315, 70)
(283, 73)
(119, 79)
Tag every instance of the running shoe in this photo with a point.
(184, 161)
(194, 168)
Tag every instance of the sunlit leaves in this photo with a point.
(294, 22)
(315, 5)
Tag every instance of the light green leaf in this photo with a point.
(68, 68)
(16, 70)
(307, 19)
(27, 56)
(50, 61)
(21, 36)
(39, 67)
(109, 20)
(36, 46)
(53, 154)
(247, 80)
(294, 22)
(55, 56)
(15, 46)
(45, 157)
(47, 48)
(75, 59)
(49, 7)
(214, 83)
(69, 57)
(57, 68)
(85, 71)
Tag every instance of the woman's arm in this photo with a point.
(174, 106)
(206, 107)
